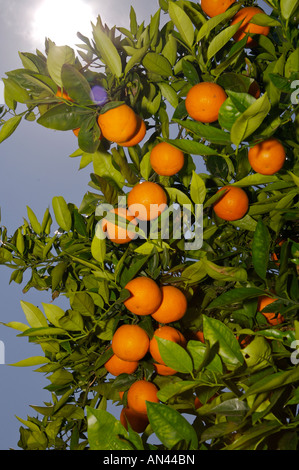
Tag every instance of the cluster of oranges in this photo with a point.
(245, 14)
(131, 343)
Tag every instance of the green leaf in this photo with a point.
(201, 357)
(273, 381)
(197, 189)
(36, 226)
(288, 7)
(103, 167)
(72, 321)
(208, 132)
(108, 51)
(105, 432)
(62, 213)
(157, 64)
(57, 57)
(250, 120)
(172, 389)
(98, 248)
(53, 313)
(260, 249)
(15, 91)
(170, 426)
(136, 58)
(221, 39)
(217, 333)
(182, 22)
(64, 117)
(174, 355)
(9, 127)
(191, 147)
(169, 93)
(224, 273)
(76, 84)
(31, 361)
(213, 22)
(234, 296)
(33, 315)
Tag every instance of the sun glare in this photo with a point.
(60, 20)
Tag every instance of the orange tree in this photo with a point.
(231, 382)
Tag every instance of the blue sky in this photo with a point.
(35, 167)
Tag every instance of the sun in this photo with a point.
(60, 20)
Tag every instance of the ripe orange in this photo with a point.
(246, 14)
(137, 421)
(233, 205)
(146, 296)
(215, 7)
(166, 160)
(165, 332)
(173, 306)
(204, 100)
(130, 342)
(62, 94)
(161, 369)
(139, 393)
(267, 157)
(76, 131)
(147, 200)
(117, 233)
(117, 366)
(199, 335)
(138, 136)
(118, 124)
(271, 317)
(254, 90)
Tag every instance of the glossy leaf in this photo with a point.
(260, 249)
(9, 127)
(219, 334)
(62, 213)
(182, 22)
(57, 57)
(108, 51)
(170, 427)
(174, 355)
(105, 432)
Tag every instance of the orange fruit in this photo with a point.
(215, 7)
(173, 306)
(76, 131)
(254, 90)
(139, 393)
(118, 124)
(166, 160)
(63, 94)
(161, 369)
(267, 157)
(271, 317)
(246, 14)
(147, 200)
(117, 366)
(138, 136)
(199, 335)
(130, 343)
(117, 233)
(146, 296)
(137, 421)
(204, 100)
(165, 332)
(233, 205)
